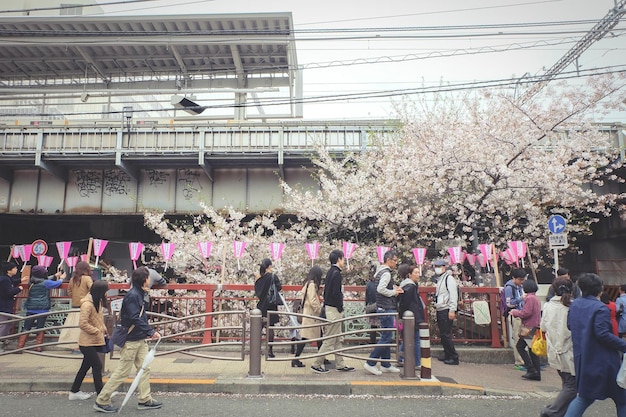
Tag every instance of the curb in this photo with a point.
(260, 386)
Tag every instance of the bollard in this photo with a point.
(408, 336)
(426, 369)
(256, 327)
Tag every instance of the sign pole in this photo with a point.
(556, 260)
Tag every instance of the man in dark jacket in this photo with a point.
(333, 304)
(596, 350)
(8, 292)
(134, 316)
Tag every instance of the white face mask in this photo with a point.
(439, 270)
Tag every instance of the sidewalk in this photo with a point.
(180, 372)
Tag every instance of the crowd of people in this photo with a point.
(582, 326)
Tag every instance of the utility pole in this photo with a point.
(596, 33)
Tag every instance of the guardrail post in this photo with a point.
(408, 337)
(495, 312)
(256, 326)
(426, 369)
(208, 320)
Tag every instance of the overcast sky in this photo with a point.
(384, 59)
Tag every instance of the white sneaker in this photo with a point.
(392, 369)
(79, 396)
(372, 369)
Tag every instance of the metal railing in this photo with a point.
(212, 314)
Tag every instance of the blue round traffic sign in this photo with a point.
(556, 224)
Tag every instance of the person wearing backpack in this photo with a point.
(386, 293)
(370, 303)
(514, 299)
(446, 304)
(266, 288)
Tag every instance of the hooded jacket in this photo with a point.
(91, 323)
(411, 301)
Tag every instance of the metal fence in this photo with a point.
(211, 314)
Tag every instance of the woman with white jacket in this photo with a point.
(559, 341)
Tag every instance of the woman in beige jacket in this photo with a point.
(311, 307)
(77, 288)
(91, 338)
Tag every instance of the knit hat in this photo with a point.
(39, 271)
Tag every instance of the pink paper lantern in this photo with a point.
(456, 254)
(312, 249)
(519, 248)
(205, 248)
(45, 260)
(348, 251)
(135, 249)
(471, 258)
(64, 249)
(380, 251)
(98, 248)
(167, 249)
(239, 247)
(420, 255)
(276, 249)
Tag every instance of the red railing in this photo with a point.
(201, 298)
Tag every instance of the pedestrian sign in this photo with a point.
(558, 241)
(556, 224)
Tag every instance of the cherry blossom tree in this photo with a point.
(473, 166)
(470, 167)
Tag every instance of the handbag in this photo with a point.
(272, 293)
(621, 374)
(108, 345)
(298, 304)
(538, 345)
(370, 308)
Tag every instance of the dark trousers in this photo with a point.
(531, 361)
(39, 322)
(300, 348)
(91, 359)
(445, 333)
(561, 402)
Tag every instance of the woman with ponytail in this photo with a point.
(559, 341)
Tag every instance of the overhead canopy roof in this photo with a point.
(159, 54)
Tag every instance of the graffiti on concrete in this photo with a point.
(156, 177)
(190, 182)
(88, 182)
(116, 182)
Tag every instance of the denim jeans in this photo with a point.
(417, 350)
(383, 352)
(579, 404)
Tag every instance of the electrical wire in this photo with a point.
(474, 85)
(72, 6)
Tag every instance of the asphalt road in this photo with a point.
(191, 405)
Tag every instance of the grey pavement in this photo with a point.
(482, 371)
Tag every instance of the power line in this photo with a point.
(474, 85)
(72, 6)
